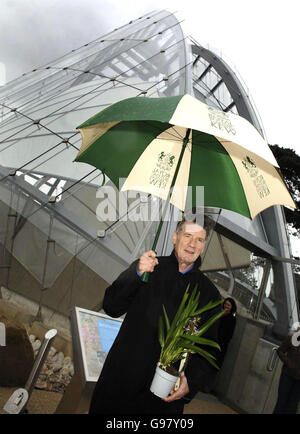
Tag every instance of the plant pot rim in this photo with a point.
(169, 369)
(162, 382)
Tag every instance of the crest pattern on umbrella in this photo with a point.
(164, 145)
(143, 140)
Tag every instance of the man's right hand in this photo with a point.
(147, 262)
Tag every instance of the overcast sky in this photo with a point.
(259, 38)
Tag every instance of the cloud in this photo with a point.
(37, 32)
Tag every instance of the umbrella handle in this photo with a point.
(145, 277)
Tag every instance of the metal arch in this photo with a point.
(234, 87)
(273, 218)
(245, 109)
(67, 218)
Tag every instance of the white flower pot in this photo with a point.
(162, 383)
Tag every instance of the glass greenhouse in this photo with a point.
(55, 251)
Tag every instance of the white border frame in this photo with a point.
(77, 310)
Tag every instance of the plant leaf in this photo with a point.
(175, 342)
(202, 341)
(161, 335)
(166, 318)
(210, 322)
(208, 306)
(209, 359)
(182, 305)
(198, 350)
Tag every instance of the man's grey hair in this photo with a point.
(205, 222)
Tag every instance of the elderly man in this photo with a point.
(124, 383)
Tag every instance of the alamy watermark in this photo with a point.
(134, 205)
(2, 335)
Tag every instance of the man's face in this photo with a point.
(189, 243)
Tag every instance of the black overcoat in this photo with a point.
(124, 382)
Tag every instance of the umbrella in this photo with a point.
(160, 144)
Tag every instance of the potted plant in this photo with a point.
(179, 339)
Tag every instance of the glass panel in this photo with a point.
(253, 289)
(145, 57)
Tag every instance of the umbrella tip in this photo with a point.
(101, 233)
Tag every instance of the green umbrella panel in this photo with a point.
(117, 150)
(209, 148)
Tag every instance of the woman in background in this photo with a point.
(289, 383)
(226, 328)
(225, 332)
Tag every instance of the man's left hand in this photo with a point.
(182, 390)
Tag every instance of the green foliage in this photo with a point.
(182, 337)
(289, 163)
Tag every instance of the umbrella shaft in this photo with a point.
(184, 144)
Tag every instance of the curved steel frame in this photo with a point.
(85, 66)
(273, 218)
